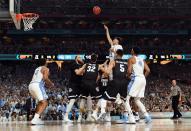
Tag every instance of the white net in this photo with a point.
(28, 20)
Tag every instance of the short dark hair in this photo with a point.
(119, 52)
(94, 57)
(136, 50)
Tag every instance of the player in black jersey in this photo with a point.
(74, 85)
(89, 81)
(119, 82)
(117, 85)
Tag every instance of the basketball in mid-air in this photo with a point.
(96, 10)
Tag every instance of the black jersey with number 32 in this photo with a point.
(91, 72)
(120, 70)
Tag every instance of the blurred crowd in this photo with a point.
(115, 24)
(111, 7)
(4, 4)
(52, 45)
(16, 103)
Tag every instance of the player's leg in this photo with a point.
(68, 109)
(100, 104)
(89, 109)
(140, 89)
(82, 108)
(73, 94)
(97, 95)
(41, 107)
(38, 92)
(143, 110)
(122, 90)
(104, 85)
(84, 90)
(109, 96)
(129, 110)
(135, 110)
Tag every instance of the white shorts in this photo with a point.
(136, 87)
(37, 90)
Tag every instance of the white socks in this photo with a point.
(103, 104)
(141, 106)
(70, 105)
(89, 103)
(127, 106)
(36, 115)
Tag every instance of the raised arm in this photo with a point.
(108, 35)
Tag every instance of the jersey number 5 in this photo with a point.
(122, 69)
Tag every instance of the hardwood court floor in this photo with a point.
(156, 125)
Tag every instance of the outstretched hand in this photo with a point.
(105, 27)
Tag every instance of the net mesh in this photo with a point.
(28, 20)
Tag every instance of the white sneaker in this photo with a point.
(137, 118)
(89, 119)
(94, 116)
(131, 120)
(67, 120)
(79, 119)
(101, 116)
(107, 118)
(37, 121)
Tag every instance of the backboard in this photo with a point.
(14, 8)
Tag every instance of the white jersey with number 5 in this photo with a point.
(36, 86)
(136, 87)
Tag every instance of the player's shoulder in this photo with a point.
(44, 68)
(118, 46)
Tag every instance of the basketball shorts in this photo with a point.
(37, 90)
(74, 90)
(90, 88)
(103, 85)
(116, 87)
(136, 87)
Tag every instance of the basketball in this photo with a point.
(96, 10)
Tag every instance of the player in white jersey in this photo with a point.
(37, 90)
(115, 44)
(137, 71)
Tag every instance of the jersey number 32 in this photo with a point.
(91, 69)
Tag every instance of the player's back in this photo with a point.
(120, 70)
(91, 71)
(37, 76)
(138, 67)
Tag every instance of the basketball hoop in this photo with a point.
(28, 20)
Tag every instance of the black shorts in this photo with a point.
(115, 87)
(103, 87)
(90, 88)
(74, 90)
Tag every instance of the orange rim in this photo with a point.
(29, 15)
(18, 17)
